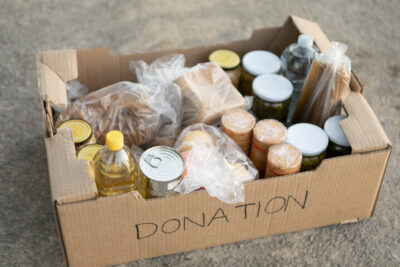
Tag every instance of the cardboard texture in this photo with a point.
(104, 231)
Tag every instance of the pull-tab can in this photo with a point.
(163, 167)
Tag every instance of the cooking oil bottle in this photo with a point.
(116, 170)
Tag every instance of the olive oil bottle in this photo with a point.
(116, 170)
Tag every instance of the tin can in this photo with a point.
(82, 133)
(162, 167)
(88, 151)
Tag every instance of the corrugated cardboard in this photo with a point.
(104, 231)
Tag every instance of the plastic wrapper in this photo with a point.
(208, 94)
(136, 110)
(75, 90)
(326, 83)
(214, 162)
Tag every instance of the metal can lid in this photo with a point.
(88, 151)
(259, 62)
(225, 58)
(81, 130)
(162, 164)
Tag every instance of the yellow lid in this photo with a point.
(81, 130)
(226, 59)
(114, 140)
(88, 151)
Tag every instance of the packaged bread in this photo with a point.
(326, 84)
(134, 109)
(208, 93)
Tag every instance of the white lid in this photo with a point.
(259, 62)
(335, 132)
(310, 139)
(305, 40)
(272, 87)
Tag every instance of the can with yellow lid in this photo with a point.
(88, 151)
(229, 61)
(82, 133)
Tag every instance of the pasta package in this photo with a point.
(326, 84)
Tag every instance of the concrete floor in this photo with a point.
(27, 229)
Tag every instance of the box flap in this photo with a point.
(54, 69)
(69, 177)
(362, 127)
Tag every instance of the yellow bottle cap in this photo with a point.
(81, 130)
(88, 151)
(226, 59)
(114, 140)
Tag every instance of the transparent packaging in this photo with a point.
(116, 172)
(296, 61)
(327, 82)
(214, 162)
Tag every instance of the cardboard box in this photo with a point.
(104, 231)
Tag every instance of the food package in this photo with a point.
(326, 84)
(214, 162)
(136, 110)
(208, 93)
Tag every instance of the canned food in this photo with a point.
(163, 167)
(88, 151)
(82, 133)
(229, 61)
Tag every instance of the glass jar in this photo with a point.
(338, 143)
(272, 94)
(311, 141)
(82, 133)
(229, 61)
(256, 63)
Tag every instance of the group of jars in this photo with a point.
(275, 84)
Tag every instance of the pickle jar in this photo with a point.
(272, 94)
(82, 133)
(311, 141)
(229, 61)
(338, 143)
(256, 63)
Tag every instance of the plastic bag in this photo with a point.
(159, 75)
(134, 109)
(213, 161)
(208, 93)
(75, 90)
(326, 83)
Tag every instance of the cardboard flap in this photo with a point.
(51, 86)
(69, 177)
(362, 127)
(98, 67)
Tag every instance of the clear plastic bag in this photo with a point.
(134, 109)
(214, 162)
(208, 93)
(326, 83)
(159, 76)
(75, 90)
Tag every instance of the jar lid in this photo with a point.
(226, 59)
(284, 159)
(259, 62)
(310, 139)
(335, 132)
(81, 130)
(272, 87)
(88, 151)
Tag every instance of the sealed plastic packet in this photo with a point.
(136, 110)
(214, 162)
(208, 93)
(326, 84)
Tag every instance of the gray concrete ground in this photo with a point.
(27, 230)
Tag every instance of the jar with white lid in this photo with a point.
(338, 143)
(312, 142)
(255, 63)
(272, 93)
